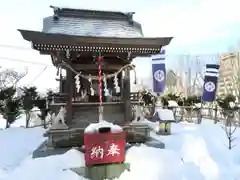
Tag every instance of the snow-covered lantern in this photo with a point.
(165, 117)
(104, 144)
(158, 105)
(172, 104)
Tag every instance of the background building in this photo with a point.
(229, 80)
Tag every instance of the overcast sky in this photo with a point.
(198, 27)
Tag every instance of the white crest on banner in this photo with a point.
(159, 75)
(209, 86)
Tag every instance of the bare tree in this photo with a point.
(10, 77)
(228, 110)
(230, 128)
(198, 76)
(193, 69)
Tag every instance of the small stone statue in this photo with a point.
(58, 121)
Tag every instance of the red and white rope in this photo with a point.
(100, 79)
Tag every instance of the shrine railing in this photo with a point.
(62, 98)
(188, 113)
(196, 115)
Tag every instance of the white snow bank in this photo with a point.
(191, 172)
(194, 149)
(205, 147)
(16, 145)
(193, 152)
(21, 121)
(3, 173)
(94, 127)
(52, 167)
(152, 163)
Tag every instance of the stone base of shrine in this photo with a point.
(100, 172)
(66, 138)
(62, 146)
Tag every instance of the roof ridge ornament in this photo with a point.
(55, 11)
(130, 16)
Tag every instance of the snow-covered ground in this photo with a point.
(17, 145)
(193, 152)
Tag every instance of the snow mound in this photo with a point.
(192, 172)
(195, 150)
(52, 167)
(73, 158)
(94, 127)
(20, 122)
(152, 163)
(17, 144)
(3, 173)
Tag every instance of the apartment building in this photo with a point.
(229, 74)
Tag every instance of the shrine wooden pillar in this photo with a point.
(69, 95)
(60, 81)
(126, 95)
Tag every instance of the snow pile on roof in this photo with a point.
(94, 127)
(165, 114)
(172, 103)
(198, 105)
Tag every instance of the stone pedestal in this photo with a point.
(101, 172)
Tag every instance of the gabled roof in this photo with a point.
(92, 31)
(137, 46)
(82, 22)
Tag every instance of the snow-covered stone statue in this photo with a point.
(35, 120)
(58, 121)
(137, 113)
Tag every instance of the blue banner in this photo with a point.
(212, 68)
(210, 82)
(159, 72)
